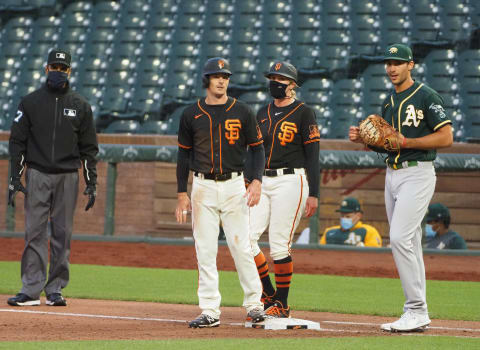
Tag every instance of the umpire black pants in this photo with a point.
(51, 196)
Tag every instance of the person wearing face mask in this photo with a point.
(437, 233)
(351, 231)
(52, 136)
(290, 182)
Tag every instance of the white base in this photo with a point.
(284, 323)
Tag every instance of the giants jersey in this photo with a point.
(415, 112)
(360, 235)
(219, 135)
(285, 131)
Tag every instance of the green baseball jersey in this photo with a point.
(415, 112)
(359, 235)
(450, 240)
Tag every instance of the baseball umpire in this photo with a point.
(213, 137)
(416, 112)
(52, 136)
(290, 182)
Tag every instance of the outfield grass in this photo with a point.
(359, 343)
(356, 295)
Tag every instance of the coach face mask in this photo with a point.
(346, 223)
(278, 90)
(429, 232)
(57, 79)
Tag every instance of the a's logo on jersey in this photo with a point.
(221, 64)
(314, 132)
(288, 132)
(278, 66)
(438, 110)
(413, 116)
(69, 112)
(233, 127)
(393, 50)
(259, 133)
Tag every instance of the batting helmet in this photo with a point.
(213, 66)
(283, 68)
(438, 212)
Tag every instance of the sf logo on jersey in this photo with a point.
(413, 116)
(288, 132)
(233, 127)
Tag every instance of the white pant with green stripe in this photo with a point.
(408, 192)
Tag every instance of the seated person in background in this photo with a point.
(437, 234)
(351, 230)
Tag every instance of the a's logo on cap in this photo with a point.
(277, 66)
(393, 50)
(221, 64)
(344, 203)
(60, 55)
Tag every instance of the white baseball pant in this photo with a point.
(213, 201)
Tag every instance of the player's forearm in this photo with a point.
(183, 167)
(256, 166)
(312, 166)
(439, 139)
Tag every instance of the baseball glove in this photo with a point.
(375, 131)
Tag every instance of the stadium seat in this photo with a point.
(365, 7)
(173, 121)
(156, 127)
(123, 127)
(255, 99)
(335, 7)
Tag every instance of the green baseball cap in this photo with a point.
(349, 205)
(437, 212)
(399, 52)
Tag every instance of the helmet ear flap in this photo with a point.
(205, 81)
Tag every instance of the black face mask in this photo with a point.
(57, 79)
(278, 90)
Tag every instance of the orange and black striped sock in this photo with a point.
(262, 267)
(283, 277)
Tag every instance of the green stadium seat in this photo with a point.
(139, 7)
(335, 7)
(123, 127)
(156, 127)
(248, 7)
(84, 7)
(173, 121)
(364, 7)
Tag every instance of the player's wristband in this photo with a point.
(404, 142)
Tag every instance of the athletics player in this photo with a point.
(290, 182)
(213, 136)
(437, 234)
(416, 112)
(351, 231)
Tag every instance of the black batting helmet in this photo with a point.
(283, 68)
(214, 66)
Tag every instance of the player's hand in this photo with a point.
(354, 134)
(15, 186)
(311, 206)
(253, 193)
(183, 207)
(91, 192)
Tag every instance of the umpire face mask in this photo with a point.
(57, 79)
(277, 89)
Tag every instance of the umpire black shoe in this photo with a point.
(56, 299)
(23, 300)
(204, 321)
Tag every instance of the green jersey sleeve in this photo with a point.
(436, 117)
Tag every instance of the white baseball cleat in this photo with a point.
(386, 327)
(410, 321)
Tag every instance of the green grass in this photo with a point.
(370, 343)
(357, 295)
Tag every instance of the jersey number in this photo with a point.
(19, 115)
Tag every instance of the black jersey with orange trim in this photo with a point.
(415, 112)
(286, 131)
(219, 135)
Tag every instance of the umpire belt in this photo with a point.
(283, 171)
(218, 177)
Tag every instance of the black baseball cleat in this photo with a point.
(23, 300)
(204, 321)
(56, 299)
(256, 315)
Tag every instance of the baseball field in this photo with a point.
(128, 296)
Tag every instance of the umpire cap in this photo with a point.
(216, 65)
(283, 68)
(59, 56)
(438, 212)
